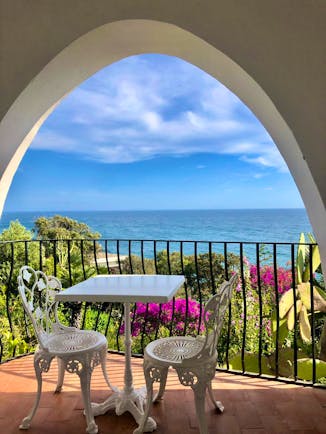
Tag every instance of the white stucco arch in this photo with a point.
(114, 41)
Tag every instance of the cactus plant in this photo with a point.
(301, 296)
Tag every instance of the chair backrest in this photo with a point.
(37, 291)
(213, 316)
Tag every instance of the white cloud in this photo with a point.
(269, 157)
(152, 120)
(50, 140)
(149, 106)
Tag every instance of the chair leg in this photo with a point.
(160, 393)
(103, 355)
(85, 383)
(61, 375)
(41, 364)
(218, 405)
(199, 392)
(149, 388)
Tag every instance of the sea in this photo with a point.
(257, 225)
(237, 225)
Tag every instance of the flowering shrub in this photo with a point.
(267, 279)
(182, 315)
(249, 325)
(245, 322)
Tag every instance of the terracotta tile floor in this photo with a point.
(252, 406)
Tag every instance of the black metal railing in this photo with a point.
(257, 338)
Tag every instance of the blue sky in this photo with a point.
(152, 132)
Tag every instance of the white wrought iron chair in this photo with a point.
(194, 359)
(77, 351)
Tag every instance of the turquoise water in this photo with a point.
(268, 225)
(264, 226)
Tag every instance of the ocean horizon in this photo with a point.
(241, 225)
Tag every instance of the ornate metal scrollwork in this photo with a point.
(43, 364)
(155, 374)
(74, 366)
(187, 377)
(96, 360)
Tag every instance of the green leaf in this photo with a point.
(301, 255)
(312, 239)
(321, 292)
(283, 330)
(315, 259)
(304, 294)
(315, 254)
(305, 369)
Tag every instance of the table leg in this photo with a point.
(128, 399)
(128, 388)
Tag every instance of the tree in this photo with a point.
(68, 243)
(60, 227)
(14, 255)
(203, 274)
(69, 248)
(16, 249)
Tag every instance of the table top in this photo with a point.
(124, 288)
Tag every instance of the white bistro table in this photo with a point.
(125, 289)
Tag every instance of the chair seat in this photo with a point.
(175, 349)
(78, 341)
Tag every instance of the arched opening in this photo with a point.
(115, 41)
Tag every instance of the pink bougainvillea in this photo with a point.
(149, 317)
(267, 278)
